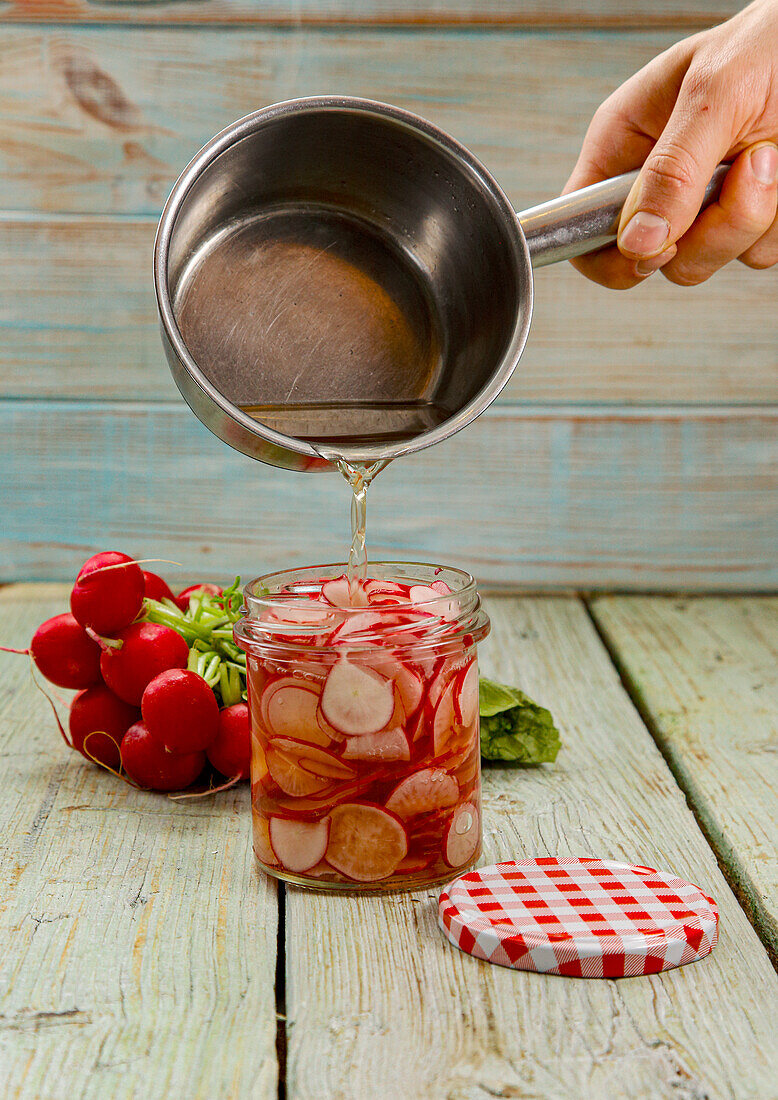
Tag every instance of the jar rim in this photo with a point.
(265, 594)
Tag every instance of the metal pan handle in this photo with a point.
(586, 220)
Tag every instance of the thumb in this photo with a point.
(667, 195)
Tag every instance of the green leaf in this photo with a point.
(515, 728)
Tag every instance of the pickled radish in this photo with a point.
(259, 767)
(391, 744)
(466, 695)
(313, 759)
(299, 845)
(340, 594)
(356, 700)
(421, 793)
(445, 722)
(288, 708)
(262, 846)
(287, 772)
(463, 835)
(366, 843)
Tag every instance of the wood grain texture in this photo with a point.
(102, 119)
(390, 12)
(78, 319)
(391, 1009)
(139, 942)
(592, 498)
(705, 674)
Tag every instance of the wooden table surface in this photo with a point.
(143, 955)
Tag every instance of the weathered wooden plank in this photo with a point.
(139, 942)
(424, 12)
(392, 1010)
(586, 497)
(78, 319)
(96, 119)
(704, 673)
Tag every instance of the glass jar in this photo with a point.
(365, 768)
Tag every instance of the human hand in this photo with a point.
(709, 98)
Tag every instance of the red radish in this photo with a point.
(65, 654)
(366, 843)
(445, 723)
(154, 588)
(258, 761)
(365, 622)
(421, 793)
(466, 694)
(98, 709)
(288, 708)
(180, 710)
(262, 847)
(356, 700)
(426, 595)
(286, 772)
(230, 751)
(182, 599)
(299, 845)
(107, 599)
(409, 683)
(313, 759)
(441, 587)
(153, 767)
(332, 733)
(410, 865)
(339, 593)
(146, 650)
(463, 836)
(391, 744)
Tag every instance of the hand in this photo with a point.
(709, 98)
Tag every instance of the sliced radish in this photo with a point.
(366, 843)
(445, 723)
(364, 623)
(262, 847)
(312, 759)
(410, 865)
(466, 694)
(391, 744)
(375, 589)
(421, 793)
(409, 683)
(463, 835)
(289, 709)
(258, 761)
(419, 728)
(356, 700)
(441, 588)
(339, 593)
(328, 728)
(299, 845)
(423, 594)
(288, 773)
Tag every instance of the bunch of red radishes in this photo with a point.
(161, 682)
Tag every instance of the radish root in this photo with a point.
(211, 790)
(120, 774)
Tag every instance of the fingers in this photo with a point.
(669, 191)
(730, 227)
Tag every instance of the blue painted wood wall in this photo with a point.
(636, 446)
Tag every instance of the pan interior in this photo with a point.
(346, 278)
(315, 324)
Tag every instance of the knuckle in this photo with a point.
(672, 170)
(686, 274)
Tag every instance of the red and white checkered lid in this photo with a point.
(585, 918)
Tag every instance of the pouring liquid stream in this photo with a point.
(359, 476)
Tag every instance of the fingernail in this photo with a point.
(644, 234)
(648, 267)
(764, 164)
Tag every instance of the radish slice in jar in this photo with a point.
(445, 723)
(366, 622)
(441, 588)
(258, 761)
(287, 772)
(423, 792)
(409, 683)
(299, 845)
(339, 593)
(288, 709)
(262, 847)
(356, 700)
(313, 759)
(462, 836)
(423, 594)
(391, 744)
(366, 843)
(466, 695)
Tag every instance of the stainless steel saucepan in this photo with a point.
(338, 276)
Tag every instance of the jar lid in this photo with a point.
(584, 918)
